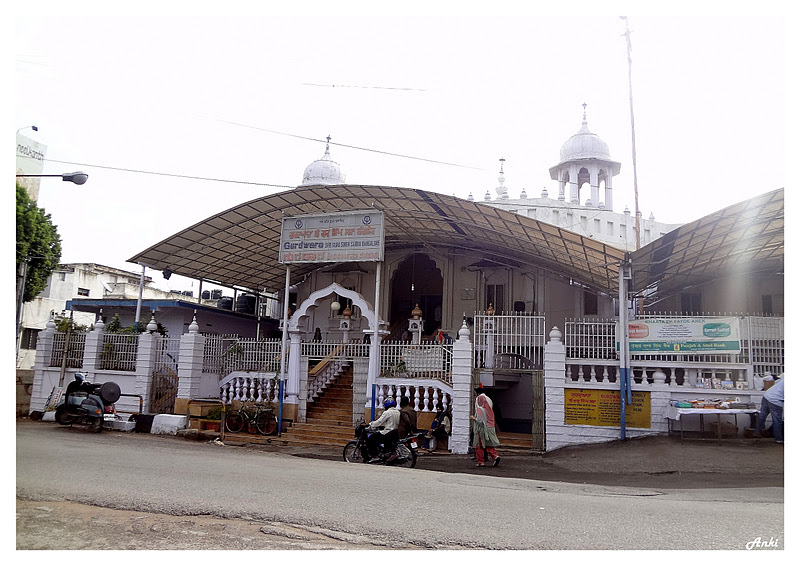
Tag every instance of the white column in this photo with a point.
(555, 358)
(44, 351)
(293, 392)
(595, 186)
(92, 350)
(145, 363)
(190, 362)
(609, 202)
(462, 387)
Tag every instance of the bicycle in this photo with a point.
(263, 419)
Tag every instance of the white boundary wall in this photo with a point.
(559, 434)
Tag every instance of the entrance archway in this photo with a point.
(417, 281)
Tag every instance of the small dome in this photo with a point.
(324, 171)
(584, 145)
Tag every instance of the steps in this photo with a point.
(329, 419)
(515, 441)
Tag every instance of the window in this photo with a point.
(610, 228)
(83, 292)
(495, 295)
(62, 276)
(29, 337)
(691, 303)
(589, 302)
(597, 226)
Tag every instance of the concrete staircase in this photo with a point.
(329, 419)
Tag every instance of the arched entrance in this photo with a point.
(416, 281)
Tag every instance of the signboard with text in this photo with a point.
(691, 335)
(340, 237)
(600, 407)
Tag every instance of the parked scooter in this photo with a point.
(88, 403)
(404, 451)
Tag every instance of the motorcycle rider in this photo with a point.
(390, 419)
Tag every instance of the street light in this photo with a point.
(78, 177)
(34, 128)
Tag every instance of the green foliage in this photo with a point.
(38, 241)
(115, 327)
(62, 323)
(214, 413)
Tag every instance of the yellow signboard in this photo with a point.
(600, 407)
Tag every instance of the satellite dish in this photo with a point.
(106, 286)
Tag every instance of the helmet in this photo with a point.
(389, 403)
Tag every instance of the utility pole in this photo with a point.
(627, 35)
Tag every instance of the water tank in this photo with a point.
(225, 303)
(246, 304)
(206, 295)
(216, 294)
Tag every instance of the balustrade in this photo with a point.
(423, 397)
(248, 388)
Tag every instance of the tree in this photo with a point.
(38, 242)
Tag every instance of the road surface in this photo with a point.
(76, 489)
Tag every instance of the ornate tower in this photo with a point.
(585, 158)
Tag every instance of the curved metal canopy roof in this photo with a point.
(740, 240)
(239, 247)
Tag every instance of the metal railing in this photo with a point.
(508, 340)
(428, 360)
(77, 343)
(592, 356)
(119, 352)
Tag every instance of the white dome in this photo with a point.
(324, 171)
(584, 145)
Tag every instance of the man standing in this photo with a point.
(408, 418)
(772, 404)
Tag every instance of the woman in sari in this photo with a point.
(484, 437)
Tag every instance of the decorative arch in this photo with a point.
(315, 299)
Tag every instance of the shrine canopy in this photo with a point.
(239, 247)
(738, 241)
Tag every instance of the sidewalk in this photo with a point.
(655, 462)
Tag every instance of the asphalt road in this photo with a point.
(145, 491)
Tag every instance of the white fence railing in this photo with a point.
(429, 360)
(592, 356)
(510, 341)
(223, 355)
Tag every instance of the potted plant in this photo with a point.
(212, 419)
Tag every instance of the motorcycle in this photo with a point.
(88, 403)
(403, 453)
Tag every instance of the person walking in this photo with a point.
(772, 404)
(484, 437)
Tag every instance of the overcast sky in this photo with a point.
(250, 97)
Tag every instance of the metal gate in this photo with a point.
(164, 382)
(538, 432)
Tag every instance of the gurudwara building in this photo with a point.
(389, 291)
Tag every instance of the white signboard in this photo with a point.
(340, 237)
(691, 335)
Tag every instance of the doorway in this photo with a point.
(417, 281)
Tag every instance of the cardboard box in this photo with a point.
(768, 383)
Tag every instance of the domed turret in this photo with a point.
(584, 145)
(324, 171)
(585, 159)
